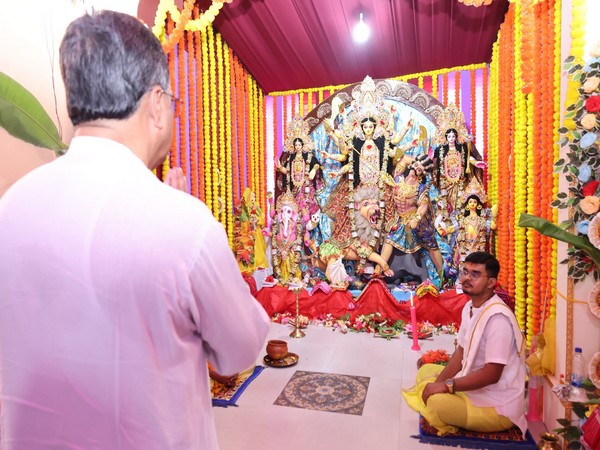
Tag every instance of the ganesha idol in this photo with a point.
(287, 239)
(357, 235)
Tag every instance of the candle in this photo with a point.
(415, 329)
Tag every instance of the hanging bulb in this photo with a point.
(361, 31)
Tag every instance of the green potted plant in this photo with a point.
(22, 116)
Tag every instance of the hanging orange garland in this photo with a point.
(445, 89)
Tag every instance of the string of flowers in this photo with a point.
(293, 105)
(557, 14)
(182, 18)
(457, 101)
(214, 148)
(255, 135)
(206, 120)
(263, 155)
(192, 83)
(249, 135)
(491, 115)
(420, 82)
(445, 89)
(184, 143)
(486, 123)
(199, 110)
(224, 212)
(310, 99)
(245, 125)
(534, 184)
(473, 88)
(520, 188)
(235, 157)
(173, 77)
(229, 151)
(529, 233)
(275, 134)
(545, 131)
(301, 102)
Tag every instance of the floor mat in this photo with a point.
(227, 396)
(508, 439)
(329, 392)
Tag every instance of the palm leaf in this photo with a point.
(549, 229)
(22, 115)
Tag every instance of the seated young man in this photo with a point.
(482, 387)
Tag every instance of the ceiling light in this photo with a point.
(361, 31)
(476, 3)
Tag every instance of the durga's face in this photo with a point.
(298, 146)
(368, 128)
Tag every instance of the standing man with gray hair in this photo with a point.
(116, 288)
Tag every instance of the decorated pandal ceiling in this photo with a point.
(381, 179)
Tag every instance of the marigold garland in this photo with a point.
(236, 163)
(193, 117)
(457, 90)
(184, 144)
(520, 188)
(173, 78)
(263, 154)
(206, 121)
(224, 207)
(473, 87)
(214, 140)
(199, 112)
(182, 18)
(557, 14)
(486, 123)
(445, 89)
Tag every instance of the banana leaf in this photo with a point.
(22, 115)
(549, 229)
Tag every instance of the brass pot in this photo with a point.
(549, 441)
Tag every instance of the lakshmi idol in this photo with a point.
(456, 163)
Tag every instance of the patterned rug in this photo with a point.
(508, 439)
(227, 396)
(330, 392)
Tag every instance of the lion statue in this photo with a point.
(357, 238)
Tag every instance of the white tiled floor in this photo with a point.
(386, 423)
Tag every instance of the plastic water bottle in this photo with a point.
(578, 369)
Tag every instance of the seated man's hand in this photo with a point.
(437, 387)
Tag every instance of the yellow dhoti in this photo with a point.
(446, 412)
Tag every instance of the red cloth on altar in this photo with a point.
(443, 310)
(337, 303)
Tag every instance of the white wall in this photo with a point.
(31, 33)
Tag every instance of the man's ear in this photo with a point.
(156, 107)
(491, 283)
